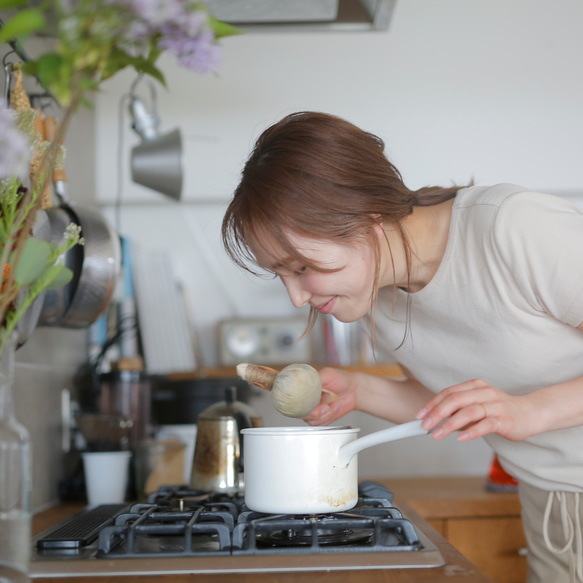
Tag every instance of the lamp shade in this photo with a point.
(157, 164)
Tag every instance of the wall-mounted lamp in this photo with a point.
(156, 162)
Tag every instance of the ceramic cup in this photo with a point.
(106, 476)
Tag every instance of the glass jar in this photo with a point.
(15, 480)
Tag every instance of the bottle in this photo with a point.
(15, 480)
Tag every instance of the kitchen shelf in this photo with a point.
(385, 370)
(352, 16)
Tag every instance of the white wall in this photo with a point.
(458, 89)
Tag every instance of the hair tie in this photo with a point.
(416, 197)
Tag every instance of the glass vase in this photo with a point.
(15, 480)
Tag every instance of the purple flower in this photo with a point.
(200, 53)
(156, 13)
(137, 30)
(180, 27)
(14, 147)
(193, 23)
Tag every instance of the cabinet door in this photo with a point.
(492, 544)
(440, 525)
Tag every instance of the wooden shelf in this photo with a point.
(385, 370)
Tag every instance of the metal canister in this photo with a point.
(218, 464)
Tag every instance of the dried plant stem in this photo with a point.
(30, 204)
(262, 376)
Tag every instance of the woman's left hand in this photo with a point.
(476, 408)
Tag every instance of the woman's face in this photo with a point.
(345, 293)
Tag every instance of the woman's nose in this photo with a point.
(299, 297)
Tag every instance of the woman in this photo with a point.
(476, 291)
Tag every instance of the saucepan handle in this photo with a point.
(401, 431)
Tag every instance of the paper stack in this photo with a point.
(166, 338)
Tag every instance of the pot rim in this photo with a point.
(300, 431)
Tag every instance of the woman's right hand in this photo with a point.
(338, 398)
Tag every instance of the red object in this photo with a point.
(499, 480)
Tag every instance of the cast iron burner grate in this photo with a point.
(362, 529)
(177, 521)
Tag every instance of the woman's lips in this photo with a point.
(327, 307)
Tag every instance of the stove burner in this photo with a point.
(177, 521)
(325, 536)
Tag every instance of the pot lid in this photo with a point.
(228, 407)
(301, 431)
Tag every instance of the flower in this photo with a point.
(14, 147)
(200, 53)
(95, 39)
(98, 38)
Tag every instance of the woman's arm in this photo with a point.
(477, 408)
(391, 399)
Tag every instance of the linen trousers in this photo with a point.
(552, 525)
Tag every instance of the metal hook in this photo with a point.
(145, 123)
(5, 63)
(8, 69)
(153, 96)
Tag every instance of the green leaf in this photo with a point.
(5, 4)
(221, 28)
(143, 66)
(86, 103)
(62, 276)
(33, 261)
(48, 67)
(22, 24)
(116, 61)
(155, 51)
(119, 60)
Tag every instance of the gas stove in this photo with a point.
(179, 530)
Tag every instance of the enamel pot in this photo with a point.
(308, 470)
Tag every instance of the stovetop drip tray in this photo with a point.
(184, 531)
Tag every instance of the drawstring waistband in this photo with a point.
(571, 530)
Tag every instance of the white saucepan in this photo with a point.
(308, 470)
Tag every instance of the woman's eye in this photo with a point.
(300, 270)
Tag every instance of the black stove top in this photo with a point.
(177, 522)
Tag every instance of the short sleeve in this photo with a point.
(539, 238)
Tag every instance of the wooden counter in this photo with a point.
(485, 526)
(457, 567)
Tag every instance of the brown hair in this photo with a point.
(316, 175)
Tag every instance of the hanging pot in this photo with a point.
(57, 301)
(96, 264)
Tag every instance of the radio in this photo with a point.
(263, 341)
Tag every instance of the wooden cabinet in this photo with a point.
(484, 526)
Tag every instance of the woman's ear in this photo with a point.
(378, 227)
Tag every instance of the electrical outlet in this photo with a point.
(263, 341)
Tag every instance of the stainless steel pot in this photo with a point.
(98, 273)
(308, 470)
(57, 301)
(96, 265)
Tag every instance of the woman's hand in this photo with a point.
(340, 400)
(476, 409)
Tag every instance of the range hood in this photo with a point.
(304, 15)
